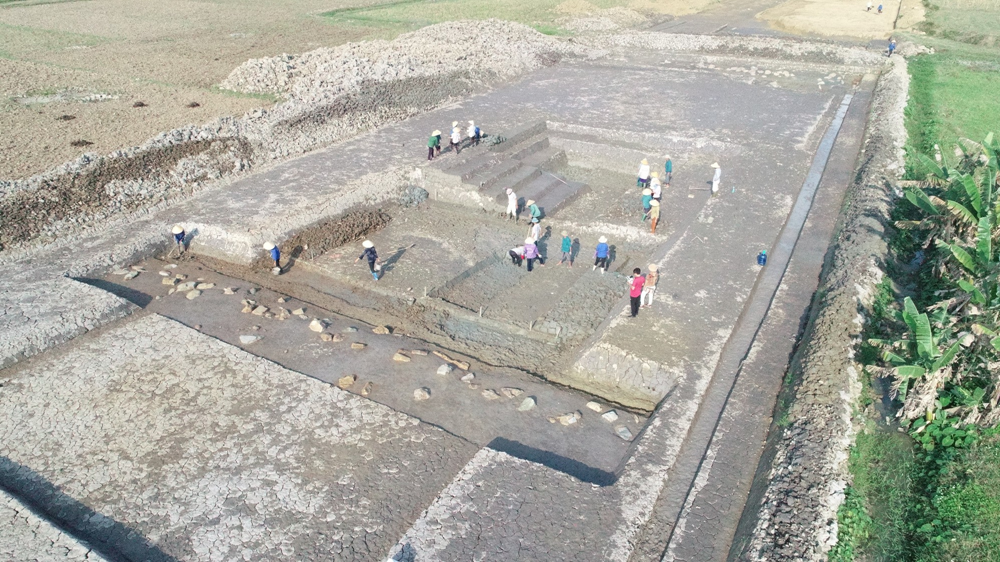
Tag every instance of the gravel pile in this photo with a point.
(766, 47)
(492, 48)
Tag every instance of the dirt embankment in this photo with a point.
(794, 515)
(331, 95)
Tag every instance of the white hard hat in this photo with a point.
(472, 122)
(177, 229)
(268, 245)
(368, 244)
(602, 239)
(666, 156)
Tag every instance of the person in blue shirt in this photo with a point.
(179, 234)
(601, 254)
(275, 254)
(372, 257)
(892, 46)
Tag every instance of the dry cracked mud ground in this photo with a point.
(198, 407)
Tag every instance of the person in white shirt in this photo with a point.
(716, 178)
(643, 173)
(511, 205)
(456, 136)
(473, 133)
(655, 187)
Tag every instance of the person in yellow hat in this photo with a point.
(654, 215)
(456, 136)
(643, 180)
(649, 287)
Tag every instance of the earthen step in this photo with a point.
(515, 181)
(536, 188)
(493, 174)
(518, 135)
(549, 157)
(559, 196)
(530, 146)
(478, 163)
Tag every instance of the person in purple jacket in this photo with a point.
(531, 253)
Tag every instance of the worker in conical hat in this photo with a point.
(371, 255)
(716, 178)
(533, 209)
(473, 133)
(567, 249)
(456, 136)
(643, 173)
(668, 168)
(654, 186)
(178, 232)
(647, 196)
(654, 215)
(434, 142)
(649, 286)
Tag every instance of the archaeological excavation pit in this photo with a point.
(457, 365)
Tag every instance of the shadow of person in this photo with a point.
(543, 247)
(389, 263)
(612, 255)
(574, 250)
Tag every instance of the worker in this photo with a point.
(668, 168)
(635, 283)
(179, 234)
(647, 196)
(533, 209)
(511, 205)
(456, 136)
(649, 287)
(654, 215)
(716, 177)
(275, 254)
(372, 256)
(531, 254)
(643, 173)
(433, 143)
(655, 187)
(535, 231)
(516, 255)
(473, 133)
(601, 254)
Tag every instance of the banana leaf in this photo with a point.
(963, 257)
(925, 338)
(984, 248)
(920, 199)
(932, 167)
(947, 357)
(961, 212)
(972, 192)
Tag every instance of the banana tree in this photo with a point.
(918, 354)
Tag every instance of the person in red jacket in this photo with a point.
(636, 282)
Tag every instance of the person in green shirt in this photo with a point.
(647, 198)
(533, 209)
(668, 169)
(567, 249)
(433, 143)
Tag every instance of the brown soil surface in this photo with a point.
(833, 18)
(55, 56)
